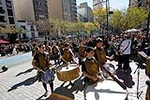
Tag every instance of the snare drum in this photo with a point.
(47, 76)
(106, 90)
(68, 72)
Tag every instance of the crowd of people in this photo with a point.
(91, 52)
(14, 49)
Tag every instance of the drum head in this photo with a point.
(106, 90)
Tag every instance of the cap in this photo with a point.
(99, 40)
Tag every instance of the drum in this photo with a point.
(55, 96)
(148, 67)
(68, 72)
(148, 93)
(47, 76)
(106, 90)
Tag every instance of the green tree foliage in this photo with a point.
(43, 25)
(127, 19)
(99, 16)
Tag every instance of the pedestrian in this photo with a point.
(41, 63)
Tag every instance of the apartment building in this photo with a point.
(63, 9)
(7, 15)
(31, 10)
(98, 4)
(84, 12)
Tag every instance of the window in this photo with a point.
(8, 4)
(39, 3)
(23, 27)
(32, 34)
(11, 20)
(2, 19)
(32, 28)
(10, 12)
(0, 2)
(2, 11)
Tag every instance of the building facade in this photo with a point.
(97, 4)
(84, 13)
(28, 30)
(7, 15)
(31, 10)
(63, 9)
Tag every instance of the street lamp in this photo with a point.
(107, 11)
(148, 26)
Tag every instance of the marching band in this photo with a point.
(88, 54)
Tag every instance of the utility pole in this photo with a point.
(148, 20)
(107, 14)
(148, 26)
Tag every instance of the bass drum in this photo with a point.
(68, 72)
(148, 67)
(106, 90)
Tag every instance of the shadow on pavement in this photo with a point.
(25, 72)
(40, 98)
(27, 82)
(126, 77)
(68, 92)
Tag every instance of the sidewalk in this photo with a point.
(18, 83)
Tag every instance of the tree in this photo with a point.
(128, 19)
(43, 25)
(89, 27)
(100, 19)
(1, 30)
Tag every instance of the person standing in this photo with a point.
(90, 67)
(125, 51)
(100, 53)
(41, 63)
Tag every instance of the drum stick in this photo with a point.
(112, 76)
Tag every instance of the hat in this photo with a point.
(66, 45)
(88, 49)
(99, 40)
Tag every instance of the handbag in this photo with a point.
(48, 75)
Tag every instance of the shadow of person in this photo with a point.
(78, 85)
(126, 77)
(25, 72)
(26, 82)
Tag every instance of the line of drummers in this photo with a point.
(89, 53)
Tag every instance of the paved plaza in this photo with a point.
(18, 83)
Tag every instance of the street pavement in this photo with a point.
(18, 83)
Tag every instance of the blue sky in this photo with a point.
(114, 4)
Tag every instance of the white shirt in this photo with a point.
(125, 47)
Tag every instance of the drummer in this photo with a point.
(67, 55)
(90, 68)
(41, 63)
(81, 50)
(100, 54)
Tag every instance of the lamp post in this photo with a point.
(107, 13)
(148, 26)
